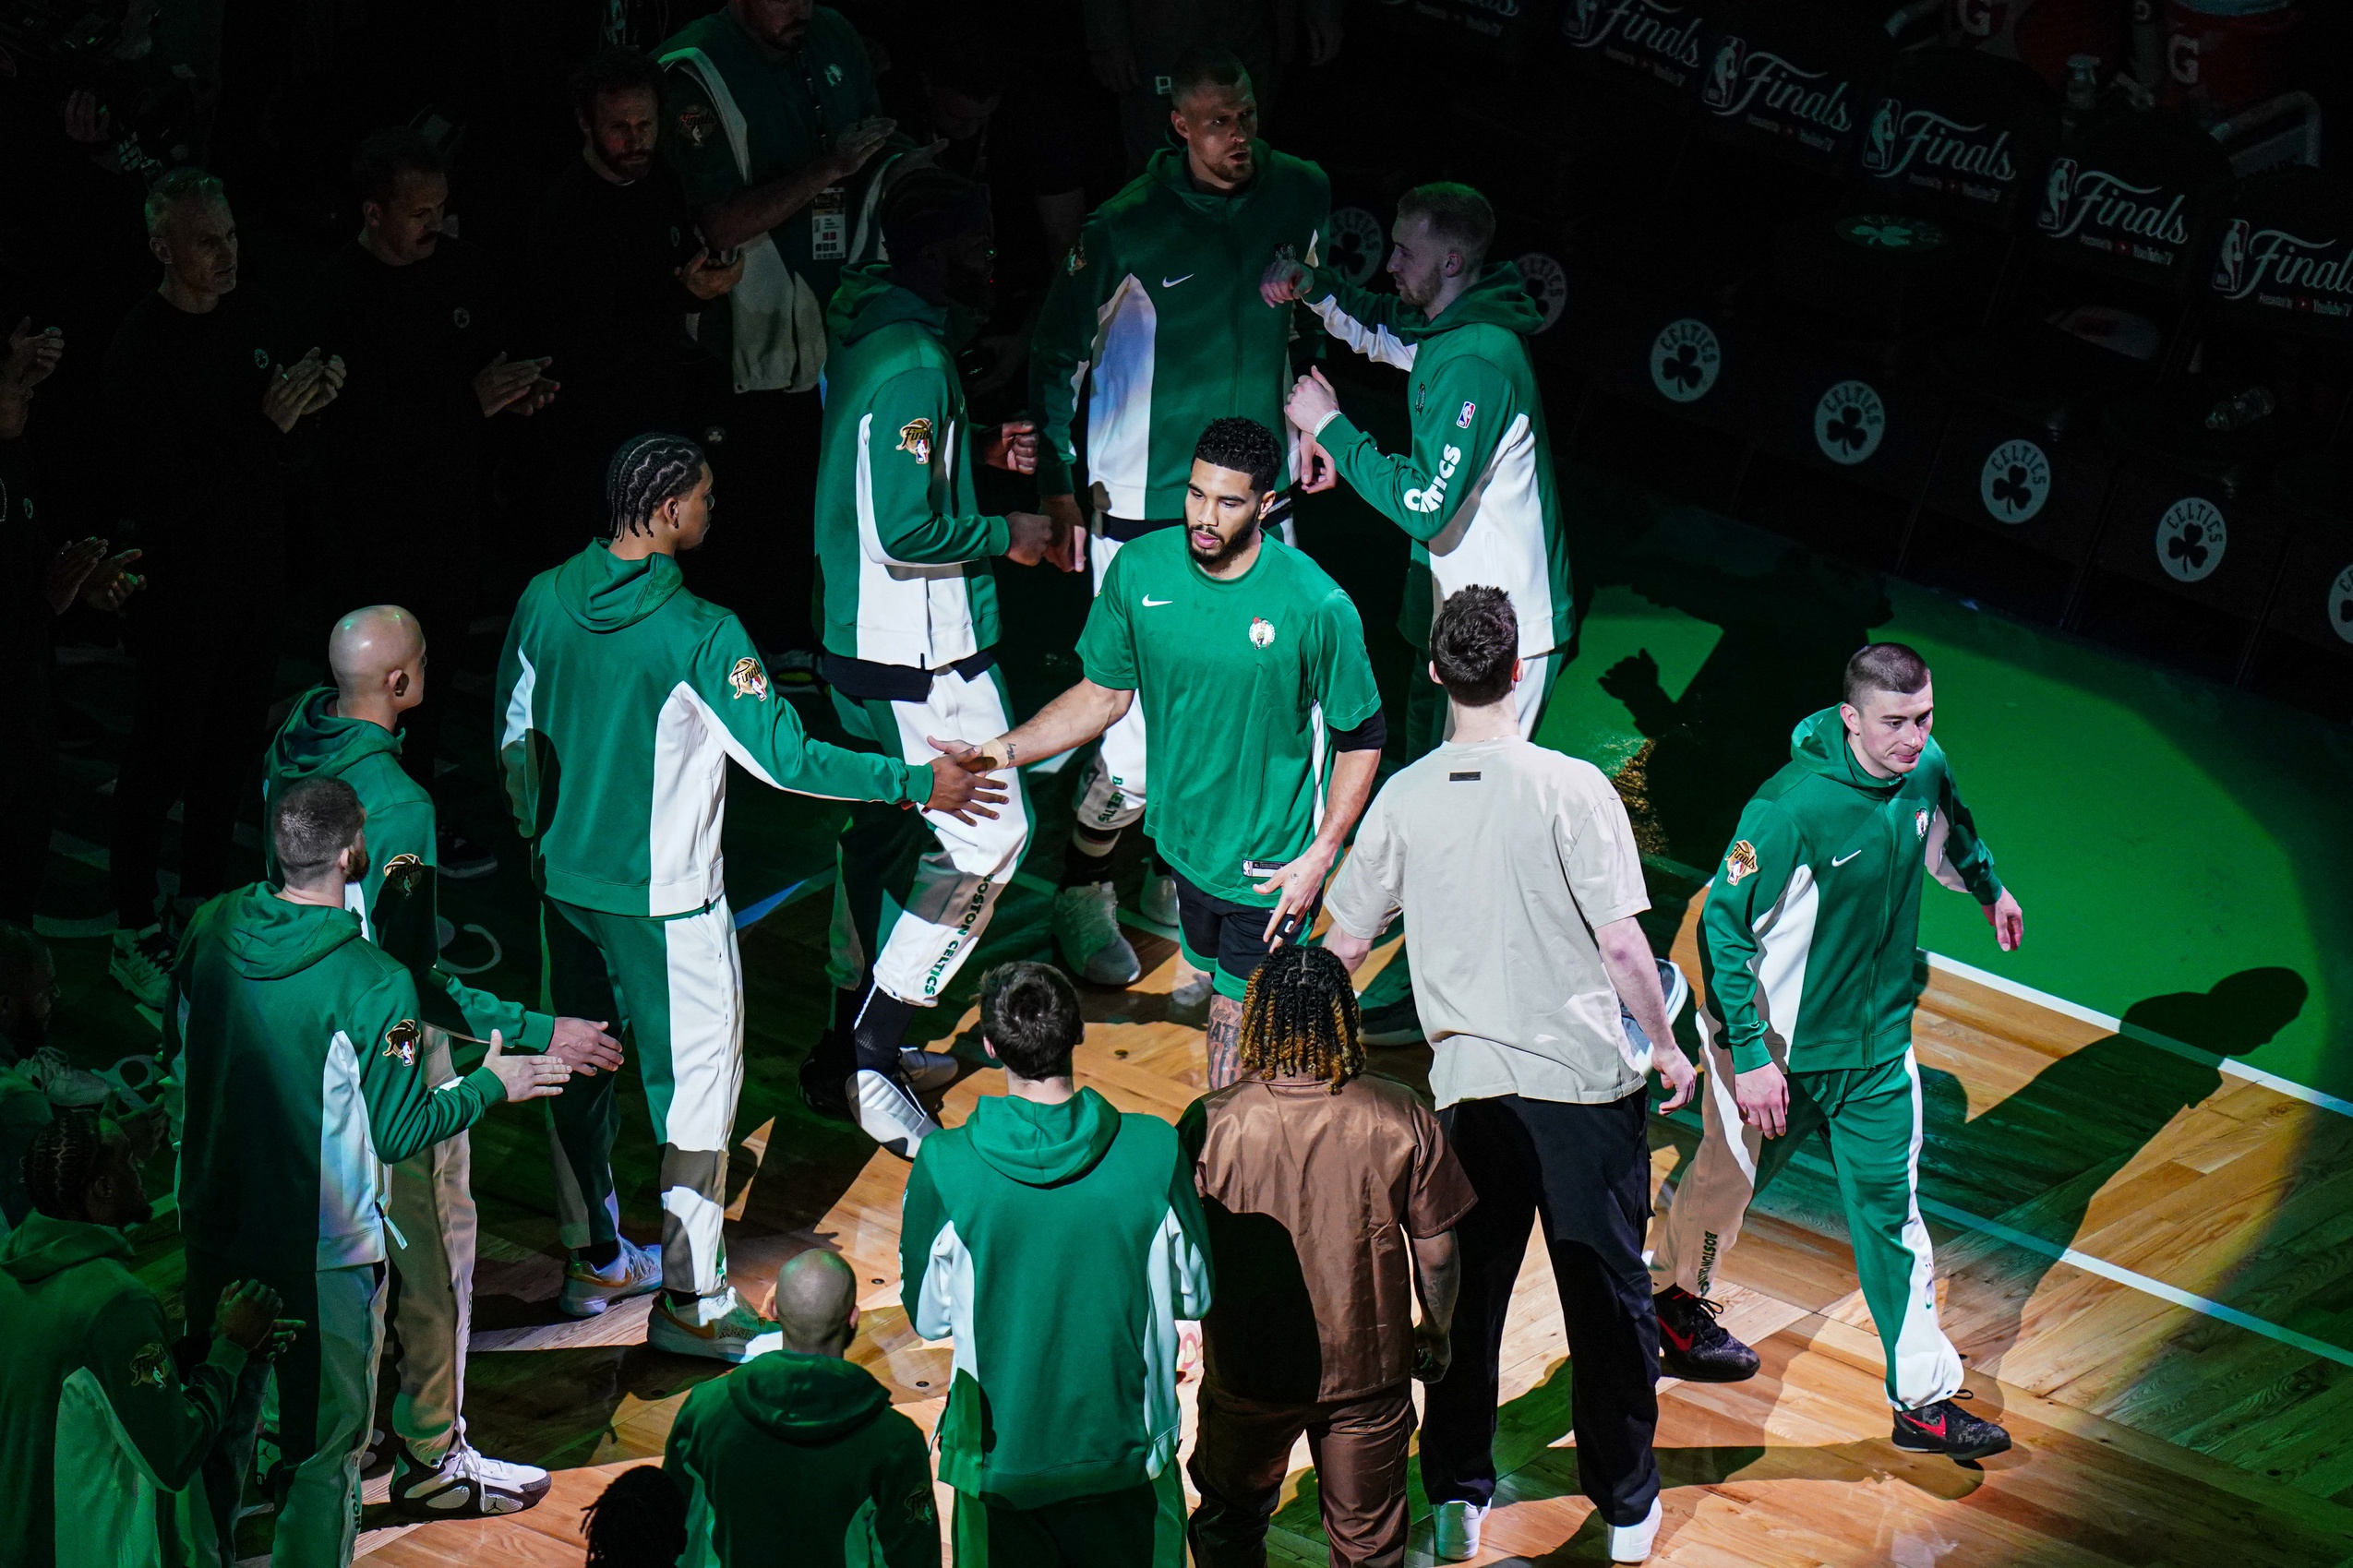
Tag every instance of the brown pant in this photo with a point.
(1244, 1449)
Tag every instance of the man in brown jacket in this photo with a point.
(1332, 1199)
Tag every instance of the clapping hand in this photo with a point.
(506, 386)
(305, 387)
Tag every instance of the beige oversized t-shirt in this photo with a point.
(1504, 855)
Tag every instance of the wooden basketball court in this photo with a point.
(2141, 1255)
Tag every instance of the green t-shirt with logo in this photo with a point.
(1241, 682)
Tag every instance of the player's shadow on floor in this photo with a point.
(2037, 1159)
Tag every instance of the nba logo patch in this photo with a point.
(401, 1041)
(1462, 420)
(1741, 862)
(1920, 822)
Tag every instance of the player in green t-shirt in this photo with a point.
(1257, 691)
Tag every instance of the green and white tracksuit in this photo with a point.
(808, 1440)
(1058, 1245)
(98, 1430)
(911, 626)
(621, 698)
(1154, 328)
(431, 1201)
(1476, 494)
(1808, 943)
(300, 1053)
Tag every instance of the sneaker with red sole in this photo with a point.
(1945, 1428)
(1693, 1345)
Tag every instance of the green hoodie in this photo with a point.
(796, 1461)
(1059, 1245)
(1813, 921)
(621, 698)
(396, 900)
(297, 1044)
(905, 546)
(86, 1370)
(1159, 300)
(1477, 492)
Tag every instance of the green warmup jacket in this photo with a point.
(1813, 920)
(396, 902)
(796, 1461)
(85, 1371)
(1059, 1245)
(621, 697)
(1157, 315)
(297, 1044)
(1476, 493)
(903, 545)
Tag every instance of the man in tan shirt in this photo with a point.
(1330, 1198)
(1516, 870)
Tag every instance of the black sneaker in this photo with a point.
(1398, 1023)
(1945, 1428)
(1693, 1345)
(460, 859)
(824, 1074)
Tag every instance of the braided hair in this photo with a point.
(1299, 1018)
(646, 471)
(639, 1521)
(63, 1158)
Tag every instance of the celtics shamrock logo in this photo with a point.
(2191, 538)
(2015, 481)
(1848, 422)
(1685, 357)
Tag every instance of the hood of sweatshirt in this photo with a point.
(806, 1399)
(1043, 1145)
(868, 301)
(269, 937)
(42, 1246)
(1168, 168)
(604, 592)
(317, 741)
(1499, 298)
(1818, 744)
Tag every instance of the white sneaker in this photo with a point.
(588, 1291)
(1677, 992)
(1158, 902)
(927, 1073)
(1631, 1543)
(1454, 1533)
(1189, 1003)
(887, 1113)
(68, 1087)
(1086, 930)
(466, 1484)
(720, 1328)
(141, 963)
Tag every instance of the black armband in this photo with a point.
(1370, 735)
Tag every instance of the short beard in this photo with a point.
(1232, 547)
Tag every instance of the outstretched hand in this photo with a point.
(584, 1046)
(961, 786)
(2008, 920)
(1284, 282)
(535, 1077)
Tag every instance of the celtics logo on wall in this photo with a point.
(1685, 358)
(1849, 421)
(2191, 538)
(2016, 482)
(2340, 604)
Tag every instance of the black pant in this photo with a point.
(198, 730)
(27, 783)
(1586, 1170)
(761, 558)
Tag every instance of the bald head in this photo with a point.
(817, 1304)
(378, 655)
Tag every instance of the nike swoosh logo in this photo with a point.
(1847, 857)
(1152, 604)
(1173, 282)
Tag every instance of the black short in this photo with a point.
(1226, 937)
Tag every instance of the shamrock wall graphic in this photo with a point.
(2014, 481)
(2191, 540)
(1685, 358)
(1848, 423)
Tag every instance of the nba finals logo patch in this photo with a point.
(696, 125)
(1076, 261)
(749, 679)
(1741, 862)
(402, 872)
(1262, 632)
(915, 437)
(1920, 824)
(400, 1041)
(150, 1366)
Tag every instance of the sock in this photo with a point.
(680, 1300)
(599, 1255)
(881, 1025)
(1089, 858)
